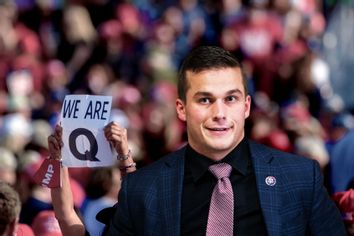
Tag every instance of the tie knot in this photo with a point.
(220, 170)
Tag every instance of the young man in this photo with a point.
(274, 193)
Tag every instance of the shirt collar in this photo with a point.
(238, 158)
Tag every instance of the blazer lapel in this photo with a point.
(172, 183)
(268, 184)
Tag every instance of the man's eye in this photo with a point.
(204, 100)
(231, 99)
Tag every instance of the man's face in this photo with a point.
(215, 111)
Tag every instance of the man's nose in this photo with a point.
(219, 110)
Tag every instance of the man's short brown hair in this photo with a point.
(206, 58)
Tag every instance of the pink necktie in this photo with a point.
(221, 211)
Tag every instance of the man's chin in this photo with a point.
(220, 146)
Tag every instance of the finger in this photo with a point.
(59, 130)
(58, 133)
(116, 138)
(58, 141)
(117, 132)
(117, 135)
(109, 125)
(114, 131)
(107, 129)
(52, 142)
(113, 125)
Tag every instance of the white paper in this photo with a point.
(83, 118)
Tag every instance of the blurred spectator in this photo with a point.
(342, 163)
(232, 11)
(255, 37)
(102, 190)
(305, 131)
(35, 198)
(340, 124)
(298, 121)
(57, 75)
(15, 132)
(131, 20)
(76, 46)
(127, 58)
(338, 49)
(129, 100)
(265, 124)
(160, 52)
(345, 203)
(8, 35)
(98, 78)
(10, 207)
(41, 129)
(152, 10)
(45, 224)
(27, 158)
(162, 132)
(314, 148)
(194, 23)
(8, 166)
(27, 162)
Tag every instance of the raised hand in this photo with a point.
(117, 136)
(55, 143)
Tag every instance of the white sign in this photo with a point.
(83, 118)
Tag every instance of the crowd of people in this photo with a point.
(131, 50)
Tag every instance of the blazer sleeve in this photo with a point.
(121, 223)
(325, 218)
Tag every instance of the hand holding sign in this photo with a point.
(117, 136)
(55, 143)
(48, 174)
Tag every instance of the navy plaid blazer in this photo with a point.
(149, 201)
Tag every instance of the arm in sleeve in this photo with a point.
(325, 218)
(121, 223)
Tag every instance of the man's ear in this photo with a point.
(180, 108)
(247, 106)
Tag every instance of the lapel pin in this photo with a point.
(270, 180)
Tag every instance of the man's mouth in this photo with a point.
(218, 129)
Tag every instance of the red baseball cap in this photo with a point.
(45, 224)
